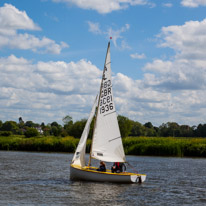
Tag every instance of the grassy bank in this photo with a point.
(157, 146)
(46, 144)
(165, 146)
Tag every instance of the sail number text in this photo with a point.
(106, 103)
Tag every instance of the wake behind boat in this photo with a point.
(106, 141)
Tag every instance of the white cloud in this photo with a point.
(169, 5)
(193, 3)
(116, 34)
(183, 77)
(106, 6)
(187, 70)
(12, 20)
(48, 91)
(94, 27)
(137, 56)
(187, 40)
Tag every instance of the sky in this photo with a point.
(52, 53)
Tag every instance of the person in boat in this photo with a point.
(102, 167)
(118, 167)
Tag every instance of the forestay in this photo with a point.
(107, 142)
(79, 156)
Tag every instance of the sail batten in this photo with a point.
(114, 139)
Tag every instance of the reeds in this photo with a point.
(165, 146)
(153, 146)
(53, 144)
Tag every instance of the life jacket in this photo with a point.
(118, 167)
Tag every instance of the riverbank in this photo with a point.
(154, 146)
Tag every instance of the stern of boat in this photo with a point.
(138, 178)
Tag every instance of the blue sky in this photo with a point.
(53, 52)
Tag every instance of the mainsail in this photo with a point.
(107, 142)
(79, 156)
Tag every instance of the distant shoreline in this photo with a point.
(149, 146)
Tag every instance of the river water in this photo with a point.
(28, 178)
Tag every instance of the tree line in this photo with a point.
(127, 128)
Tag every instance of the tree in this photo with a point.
(29, 124)
(137, 129)
(10, 126)
(1, 123)
(31, 132)
(54, 124)
(56, 129)
(67, 124)
(20, 120)
(186, 131)
(125, 125)
(21, 125)
(170, 129)
(201, 130)
(77, 128)
(148, 125)
(150, 132)
(46, 130)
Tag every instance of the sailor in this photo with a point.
(118, 167)
(102, 167)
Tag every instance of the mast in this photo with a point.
(90, 155)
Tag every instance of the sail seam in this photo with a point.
(114, 139)
(108, 63)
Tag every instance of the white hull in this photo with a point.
(91, 174)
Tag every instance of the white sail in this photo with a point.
(107, 142)
(79, 156)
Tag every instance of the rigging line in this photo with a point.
(114, 139)
(132, 167)
(109, 113)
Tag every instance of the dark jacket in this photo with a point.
(118, 167)
(102, 168)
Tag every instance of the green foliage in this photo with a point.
(137, 129)
(1, 123)
(127, 128)
(169, 146)
(5, 133)
(55, 124)
(77, 128)
(56, 129)
(68, 123)
(159, 146)
(10, 126)
(201, 130)
(30, 124)
(125, 125)
(148, 125)
(31, 132)
(50, 143)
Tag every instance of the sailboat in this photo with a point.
(106, 140)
